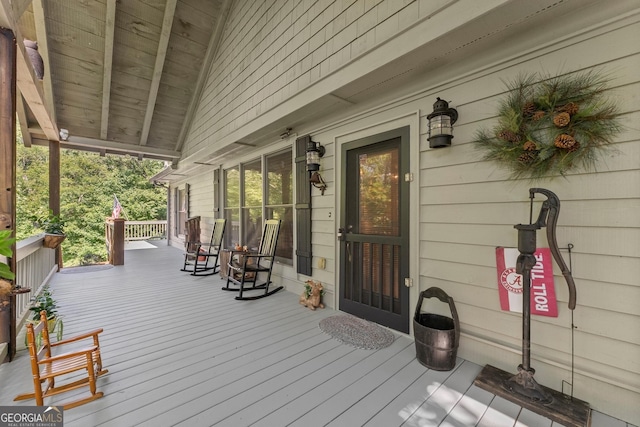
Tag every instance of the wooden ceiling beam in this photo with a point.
(21, 109)
(27, 83)
(109, 31)
(212, 50)
(101, 144)
(19, 7)
(165, 34)
(43, 49)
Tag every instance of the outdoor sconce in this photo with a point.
(315, 151)
(441, 124)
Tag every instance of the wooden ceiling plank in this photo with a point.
(212, 50)
(109, 31)
(43, 49)
(165, 34)
(23, 121)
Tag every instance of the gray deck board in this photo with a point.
(180, 351)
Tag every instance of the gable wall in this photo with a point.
(466, 207)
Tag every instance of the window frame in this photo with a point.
(263, 159)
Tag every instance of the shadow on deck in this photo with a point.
(182, 352)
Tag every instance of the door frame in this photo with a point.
(412, 120)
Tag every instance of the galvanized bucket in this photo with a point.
(437, 337)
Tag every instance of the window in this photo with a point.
(259, 189)
(182, 210)
(279, 203)
(232, 206)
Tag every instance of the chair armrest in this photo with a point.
(87, 350)
(257, 255)
(78, 337)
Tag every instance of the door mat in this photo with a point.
(357, 332)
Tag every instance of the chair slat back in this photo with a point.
(270, 237)
(39, 348)
(218, 233)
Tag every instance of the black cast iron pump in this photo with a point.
(523, 382)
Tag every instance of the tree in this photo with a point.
(88, 183)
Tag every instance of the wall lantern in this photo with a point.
(441, 124)
(314, 152)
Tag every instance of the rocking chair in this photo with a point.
(245, 267)
(46, 367)
(198, 256)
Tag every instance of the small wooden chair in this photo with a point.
(46, 367)
(244, 267)
(197, 257)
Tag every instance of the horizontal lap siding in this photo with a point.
(468, 207)
(270, 51)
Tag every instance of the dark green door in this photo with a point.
(374, 234)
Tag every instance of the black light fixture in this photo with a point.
(315, 151)
(441, 124)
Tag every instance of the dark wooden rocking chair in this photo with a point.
(245, 267)
(46, 367)
(202, 259)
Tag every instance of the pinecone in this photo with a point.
(574, 147)
(527, 158)
(538, 115)
(564, 141)
(570, 108)
(561, 119)
(529, 146)
(507, 135)
(528, 109)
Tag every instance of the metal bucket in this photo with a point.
(436, 337)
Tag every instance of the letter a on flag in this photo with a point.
(510, 283)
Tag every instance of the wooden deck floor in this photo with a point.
(181, 351)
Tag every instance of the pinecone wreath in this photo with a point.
(564, 122)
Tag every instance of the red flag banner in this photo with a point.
(543, 292)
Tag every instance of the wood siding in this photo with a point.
(466, 207)
(180, 351)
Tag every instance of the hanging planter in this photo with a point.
(53, 228)
(551, 125)
(52, 241)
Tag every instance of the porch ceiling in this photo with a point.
(125, 76)
(119, 76)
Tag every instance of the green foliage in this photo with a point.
(5, 249)
(87, 185)
(49, 223)
(45, 302)
(548, 126)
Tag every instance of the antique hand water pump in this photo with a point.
(522, 388)
(523, 382)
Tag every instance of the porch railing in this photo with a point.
(35, 265)
(145, 230)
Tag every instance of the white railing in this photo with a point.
(35, 265)
(145, 230)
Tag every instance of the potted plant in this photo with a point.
(5, 271)
(45, 302)
(53, 228)
(6, 286)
